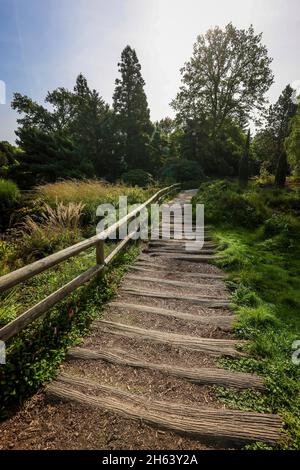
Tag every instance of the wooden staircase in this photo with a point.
(152, 358)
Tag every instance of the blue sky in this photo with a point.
(46, 43)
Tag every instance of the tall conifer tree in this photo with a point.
(132, 112)
(244, 164)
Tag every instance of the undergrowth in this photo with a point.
(260, 248)
(34, 356)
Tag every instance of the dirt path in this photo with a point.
(143, 378)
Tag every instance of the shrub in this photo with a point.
(9, 198)
(265, 178)
(183, 171)
(282, 224)
(138, 178)
(225, 203)
(9, 194)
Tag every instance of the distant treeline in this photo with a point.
(78, 135)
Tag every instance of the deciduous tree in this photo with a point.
(226, 78)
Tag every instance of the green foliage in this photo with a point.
(9, 199)
(281, 170)
(227, 76)
(9, 155)
(57, 228)
(263, 267)
(292, 144)
(48, 157)
(75, 139)
(219, 196)
(264, 148)
(257, 316)
(271, 144)
(132, 113)
(282, 224)
(34, 356)
(9, 194)
(265, 178)
(138, 177)
(244, 164)
(244, 296)
(242, 60)
(181, 170)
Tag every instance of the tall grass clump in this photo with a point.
(91, 193)
(58, 227)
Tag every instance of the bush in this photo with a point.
(282, 224)
(265, 178)
(225, 203)
(9, 194)
(183, 171)
(138, 178)
(9, 198)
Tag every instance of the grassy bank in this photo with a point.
(258, 231)
(59, 221)
(90, 193)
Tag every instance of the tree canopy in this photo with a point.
(226, 78)
(75, 133)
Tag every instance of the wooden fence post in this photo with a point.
(100, 257)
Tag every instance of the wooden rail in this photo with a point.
(20, 275)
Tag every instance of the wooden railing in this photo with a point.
(23, 274)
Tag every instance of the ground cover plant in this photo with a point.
(259, 239)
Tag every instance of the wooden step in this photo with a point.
(184, 257)
(179, 226)
(222, 322)
(178, 243)
(170, 282)
(184, 237)
(212, 347)
(226, 426)
(178, 251)
(190, 234)
(154, 268)
(203, 376)
(206, 301)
